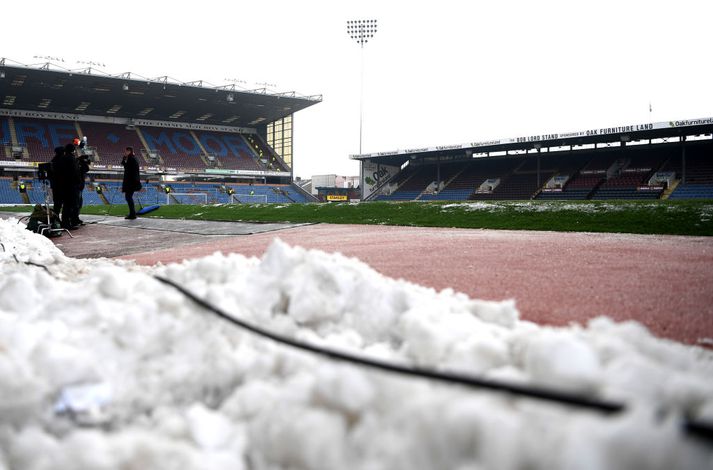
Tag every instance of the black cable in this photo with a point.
(530, 391)
(700, 429)
(30, 263)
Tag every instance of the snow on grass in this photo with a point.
(706, 213)
(545, 206)
(186, 390)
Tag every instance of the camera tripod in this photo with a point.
(47, 229)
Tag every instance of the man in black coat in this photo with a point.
(132, 180)
(65, 175)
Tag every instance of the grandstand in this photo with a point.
(213, 136)
(643, 161)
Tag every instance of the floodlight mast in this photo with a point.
(361, 31)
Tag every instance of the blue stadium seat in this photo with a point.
(692, 191)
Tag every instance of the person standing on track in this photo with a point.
(132, 180)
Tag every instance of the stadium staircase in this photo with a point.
(300, 195)
(265, 154)
(628, 175)
(145, 148)
(451, 174)
(404, 190)
(217, 163)
(277, 158)
(13, 138)
(513, 185)
(672, 187)
(203, 154)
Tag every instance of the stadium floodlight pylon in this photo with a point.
(361, 31)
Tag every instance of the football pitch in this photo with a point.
(690, 217)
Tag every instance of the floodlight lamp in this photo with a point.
(2, 74)
(125, 87)
(230, 97)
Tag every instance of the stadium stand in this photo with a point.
(409, 183)
(9, 193)
(569, 165)
(523, 182)
(257, 193)
(474, 173)
(215, 193)
(295, 194)
(110, 140)
(41, 136)
(512, 185)
(699, 172)
(231, 150)
(264, 153)
(584, 183)
(605, 173)
(177, 148)
(448, 172)
(112, 192)
(637, 168)
(5, 139)
(90, 196)
(35, 191)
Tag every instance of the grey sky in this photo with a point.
(437, 72)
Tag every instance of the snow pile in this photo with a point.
(186, 390)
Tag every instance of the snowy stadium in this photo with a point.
(532, 302)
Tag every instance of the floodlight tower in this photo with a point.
(361, 31)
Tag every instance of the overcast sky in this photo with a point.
(436, 73)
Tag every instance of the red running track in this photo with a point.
(664, 282)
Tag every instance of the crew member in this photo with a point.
(83, 164)
(65, 175)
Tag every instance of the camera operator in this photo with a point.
(83, 164)
(65, 175)
(132, 180)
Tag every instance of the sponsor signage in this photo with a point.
(188, 125)
(20, 113)
(337, 197)
(18, 164)
(546, 137)
(47, 115)
(215, 171)
(374, 175)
